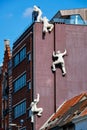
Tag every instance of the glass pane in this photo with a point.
(22, 54)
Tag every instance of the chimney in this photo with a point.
(6, 43)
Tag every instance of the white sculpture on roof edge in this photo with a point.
(59, 60)
(34, 108)
(47, 27)
(38, 10)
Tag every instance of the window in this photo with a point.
(10, 67)
(10, 64)
(20, 109)
(16, 60)
(29, 85)
(20, 56)
(22, 128)
(76, 19)
(29, 113)
(20, 83)
(29, 56)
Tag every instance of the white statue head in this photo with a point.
(35, 7)
(45, 19)
(58, 52)
(35, 100)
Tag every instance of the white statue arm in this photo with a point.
(54, 55)
(32, 104)
(64, 53)
(38, 97)
(35, 100)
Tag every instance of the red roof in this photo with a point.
(66, 106)
(84, 112)
(75, 107)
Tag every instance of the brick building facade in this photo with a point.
(52, 87)
(32, 72)
(4, 88)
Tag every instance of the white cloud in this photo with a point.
(28, 12)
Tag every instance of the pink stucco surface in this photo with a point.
(73, 38)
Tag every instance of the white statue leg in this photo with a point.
(45, 28)
(53, 65)
(38, 18)
(32, 118)
(51, 27)
(63, 69)
(40, 110)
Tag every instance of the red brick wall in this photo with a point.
(23, 93)
(0, 97)
(20, 68)
(5, 103)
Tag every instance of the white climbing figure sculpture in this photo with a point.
(35, 109)
(59, 60)
(38, 10)
(47, 27)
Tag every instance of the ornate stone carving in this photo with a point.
(34, 108)
(59, 60)
(47, 27)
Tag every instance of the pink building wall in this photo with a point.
(43, 76)
(53, 87)
(73, 38)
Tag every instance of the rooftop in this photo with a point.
(73, 16)
(69, 110)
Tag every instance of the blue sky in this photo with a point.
(16, 16)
